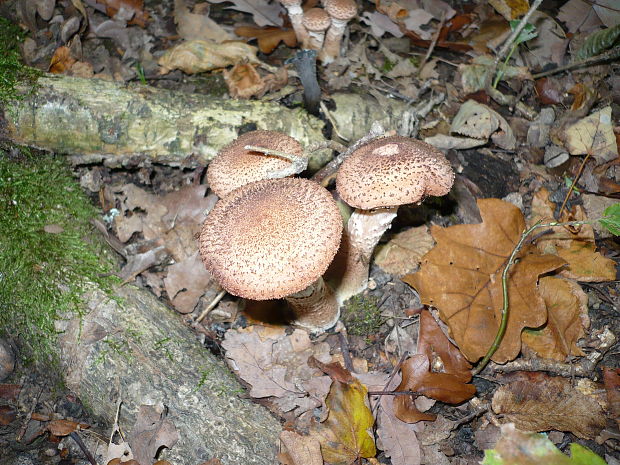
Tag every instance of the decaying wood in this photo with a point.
(94, 120)
(131, 347)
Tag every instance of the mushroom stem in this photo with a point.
(298, 164)
(363, 232)
(333, 38)
(315, 307)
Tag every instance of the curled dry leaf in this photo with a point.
(62, 428)
(481, 122)
(593, 134)
(243, 81)
(131, 9)
(611, 380)
(402, 254)
(567, 309)
(577, 247)
(461, 276)
(539, 402)
(197, 56)
(268, 37)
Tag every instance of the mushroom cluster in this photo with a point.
(273, 236)
(321, 29)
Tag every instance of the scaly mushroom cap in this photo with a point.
(235, 166)
(393, 171)
(343, 10)
(271, 238)
(316, 20)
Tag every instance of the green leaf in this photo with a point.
(611, 220)
(598, 42)
(527, 33)
(520, 448)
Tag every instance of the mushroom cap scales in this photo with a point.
(235, 166)
(271, 238)
(393, 171)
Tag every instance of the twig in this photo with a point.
(390, 378)
(22, 431)
(80, 443)
(298, 164)
(211, 306)
(572, 184)
(431, 48)
(504, 322)
(608, 55)
(327, 144)
(344, 347)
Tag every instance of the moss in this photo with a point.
(362, 316)
(44, 274)
(12, 71)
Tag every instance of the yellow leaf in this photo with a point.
(344, 435)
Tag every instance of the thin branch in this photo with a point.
(431, 48)
(608, 55)
(298, 164)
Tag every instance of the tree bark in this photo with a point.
(95, 120)
(131, 347)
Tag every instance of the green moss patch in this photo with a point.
(48, 254)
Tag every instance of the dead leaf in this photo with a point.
(10, 391)
(131, 11)
(510, 9)
(567, 310)
(417, 377)
(481, 122)
(63, 428)
(151, 432)
(275, 365)
(264, 12)
(187, 281)
(61, 61)
(461, 276)
(197, 56)
(268, 37)
(198, 26)
(300, 450)
(445, 357)
(577, 247)
(611, 380)
(8, 415)
(344, 435)
(593, 134)
(578, 15)
(243, 81)
(539, 402)
(474, 75)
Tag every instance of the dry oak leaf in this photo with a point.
(577, 247)
(268, 37)
(403, 252)
(344, 435)
(567, 319)
(539, 402)
(461, 277)
(299, 450)
(243, 81)
(197, 56)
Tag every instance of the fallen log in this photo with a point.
(94, 120)
(130, 347)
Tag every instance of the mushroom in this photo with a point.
(235, 165)
(316, 21)
(296, 14)
(375, 179)
(274, 239)
(340, 11)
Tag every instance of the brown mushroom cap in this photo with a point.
(343, 10)
(393, 171)
(271, 238)
(316, 20)
(235, 166)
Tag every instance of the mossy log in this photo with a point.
(131, 347)
(95, 120)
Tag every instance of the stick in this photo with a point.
(298, 164)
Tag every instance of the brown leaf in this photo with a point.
(268, 37)
(133, 8)
(150, 433)
(243, 81)
(300, 450)
(62, 428)
(402, 254)
(577, 247)
(461, 276)
(61, 60)
(334, 370)
(539, 402)
(197, 56)
(611, 380)
(567, 309)
(8, 414)
(10, 391)
(433, 343)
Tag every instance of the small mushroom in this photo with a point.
(316, 21)
(375, 179)
(296, 14)
(340, 12)
(274, 239)
(236, 166)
